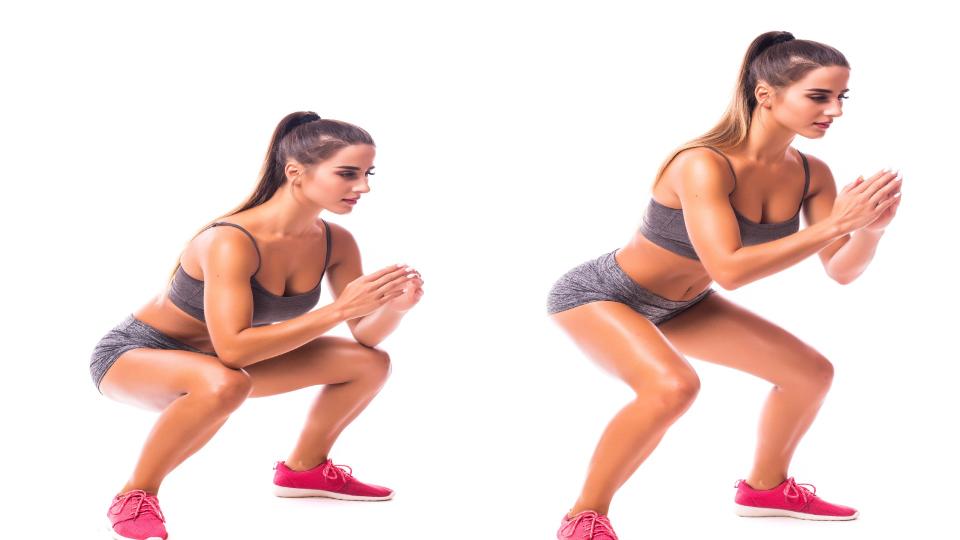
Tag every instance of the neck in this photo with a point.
(287, 214)
(767, 141)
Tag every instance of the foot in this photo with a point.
(325, 480)
(136, 515)
(587, 525)
(789, 499)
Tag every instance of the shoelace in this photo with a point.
(145, 504)
(795, 491)
(334, 472)
(598, 524)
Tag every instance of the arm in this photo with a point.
(846, 258)
(227, 263)
(704, 187)
(373, 328)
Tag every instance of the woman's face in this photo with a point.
(336, 183)
(809, 105)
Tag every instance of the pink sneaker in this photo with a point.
(325, 480)
(587, 525)
(136, 515)
(789, 499)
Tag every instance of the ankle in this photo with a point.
(133, 486)
(300, 465)
(764, 482)
(582, 506)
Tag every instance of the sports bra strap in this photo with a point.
(806, 175)
(326, 257)
(246, 232)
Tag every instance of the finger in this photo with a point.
(389, 277)
(852, 185)
(887, 191)
(382, 272)
(400, 283)
(880, 178)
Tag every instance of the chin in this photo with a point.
(812, 133)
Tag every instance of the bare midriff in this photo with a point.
(660, 271)
(163, 315)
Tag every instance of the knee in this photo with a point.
(374, 364)
(816, 375)
(675, 391)
(820, 372)
(225, 389)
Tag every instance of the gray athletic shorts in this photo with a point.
(603, 279)
(132, 333)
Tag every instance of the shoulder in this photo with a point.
(820, 176)
(699, 170)
(226, 248)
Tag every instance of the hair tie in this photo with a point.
(305, 119)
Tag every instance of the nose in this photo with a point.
(835, 110)
(362, 186)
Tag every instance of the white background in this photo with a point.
(514, 142)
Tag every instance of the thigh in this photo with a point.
(719, 331)
(324, 360)
(625, 343)
(153, 378)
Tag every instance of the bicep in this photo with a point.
(711, 223)
(228, 263)
(819, 205)
(347, 266)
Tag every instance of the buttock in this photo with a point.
(130, 334)
(602, 279)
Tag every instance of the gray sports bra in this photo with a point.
(186, 291)
(665, 227)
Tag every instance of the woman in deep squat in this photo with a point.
(204, 345)
(726, 207)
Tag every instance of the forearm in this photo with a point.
(256, 344)
(852, 259)
(751, 263)
(375, 327)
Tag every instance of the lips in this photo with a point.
(823, 124)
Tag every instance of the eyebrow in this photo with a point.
(824, 90)
(352, 168)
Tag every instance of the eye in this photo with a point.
(821, 98)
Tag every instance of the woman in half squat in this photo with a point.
(726, 208)
(204, 345)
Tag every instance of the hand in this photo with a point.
(861, 203)
(368, 293)
(412, 292)
(887, 216)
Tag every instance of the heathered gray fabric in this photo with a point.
(186, 292)
(665, 226)
(603, 279)
(129, 334)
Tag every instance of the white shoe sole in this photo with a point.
(282, 491)
(117, 536)
(753, 511)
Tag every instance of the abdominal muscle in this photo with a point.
(163, 315)
(662, 272)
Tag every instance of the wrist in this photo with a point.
(871, 233)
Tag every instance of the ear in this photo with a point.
(293, 169)
(764, 94)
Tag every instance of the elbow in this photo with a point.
(232, 359)
(369, 343)
(727, 280)
(843, 279)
